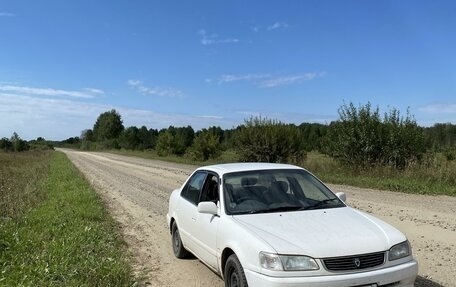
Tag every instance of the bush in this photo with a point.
(174, 140)
(265, 140)
(129, 139)
(450, 153)
(360, 138)
(205, 146)
(164, 145)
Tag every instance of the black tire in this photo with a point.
(234, 273)
(178, 248)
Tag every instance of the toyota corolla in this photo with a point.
(260, 224)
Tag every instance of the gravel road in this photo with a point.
(136, 192)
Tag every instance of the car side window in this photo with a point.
(193, 187)
(210, 190)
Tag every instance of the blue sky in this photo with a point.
(204, 63)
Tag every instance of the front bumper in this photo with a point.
(403, 275)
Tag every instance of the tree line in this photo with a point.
(16, 144)
(361, 137)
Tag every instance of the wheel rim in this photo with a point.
(234, 278)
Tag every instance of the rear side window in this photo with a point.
(193, 187)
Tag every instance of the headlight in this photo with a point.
(270, 261)
(287, 262)
(398, 251)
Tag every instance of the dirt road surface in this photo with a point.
(136, 192)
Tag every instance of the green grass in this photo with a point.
(20, 186)
(227, 156)
(67, 239)
(436, 177)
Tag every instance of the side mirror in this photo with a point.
(207, 207)
(342, 196)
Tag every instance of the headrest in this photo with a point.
(246, 181)
(281, 185)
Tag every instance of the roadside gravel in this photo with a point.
(136, 192)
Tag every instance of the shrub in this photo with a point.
(265, 140)
(360, 138)
(164, 145)
(450, 153)
(205, 146)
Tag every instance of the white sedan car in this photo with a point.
(260, 224)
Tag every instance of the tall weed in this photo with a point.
(435, 175)
(20, 174)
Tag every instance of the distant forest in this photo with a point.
(360, 137)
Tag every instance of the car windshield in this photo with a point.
(277, 190)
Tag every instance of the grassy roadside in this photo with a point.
(21, 182)
(436, 178)
(67, 239)
(227, 156)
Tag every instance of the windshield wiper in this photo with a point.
(320, 203)
(279, 208)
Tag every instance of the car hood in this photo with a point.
(323, 232)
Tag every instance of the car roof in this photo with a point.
(246, 166)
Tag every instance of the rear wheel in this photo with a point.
(234, 273)
(178, 248)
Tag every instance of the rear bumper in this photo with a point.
(403, 275)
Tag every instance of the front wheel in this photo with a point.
(234, 273)
(178, 248)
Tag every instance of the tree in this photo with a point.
(5, 144)
(87, 135)
(265, 140)
(361, 138)
(174, 140)
(441, 136)
(146, 138)
(18, 144)
(108, 126)
(182, 139)
(129, 138)
(313, 135)
(164, 145)
(206, 145)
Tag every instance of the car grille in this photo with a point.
(355, 262)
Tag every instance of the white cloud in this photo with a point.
(87, 93)
(265, 80)
(277, 25)
(288, 80)
(232, 78)
(7, 14)
(210, 117)
(133, 83)
(32, 116)
(212, 39)
(438, 108)
(157, 91)
(58, 119)
(255, 29)
(94, 91)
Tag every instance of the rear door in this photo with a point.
(187, 213)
